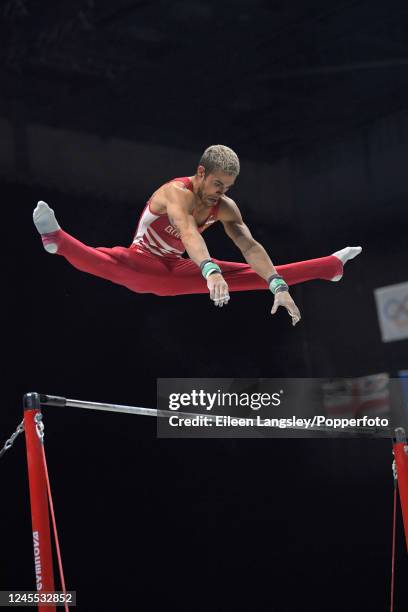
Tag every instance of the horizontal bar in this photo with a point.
(53, 400)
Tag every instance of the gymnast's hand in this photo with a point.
(283, 298)
(218, 289)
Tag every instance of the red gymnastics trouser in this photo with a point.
(146, 273)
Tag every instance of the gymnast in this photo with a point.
(172, 222)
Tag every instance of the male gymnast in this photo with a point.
(171, 223)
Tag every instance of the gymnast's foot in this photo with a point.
(344, 255)
(46, 224)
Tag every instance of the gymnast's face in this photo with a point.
(213, 185)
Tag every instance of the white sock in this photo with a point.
(344, 255)
(46, 223)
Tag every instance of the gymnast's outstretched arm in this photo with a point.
(256, 256)
(179, 210)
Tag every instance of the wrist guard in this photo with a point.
(208, 267)
(277, 284)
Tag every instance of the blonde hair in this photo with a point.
(220, 157)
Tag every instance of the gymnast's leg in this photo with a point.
(186, 278)
(137, 271)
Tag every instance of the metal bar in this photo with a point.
(52, 400)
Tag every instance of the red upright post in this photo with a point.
(38, 497)
(401, 460)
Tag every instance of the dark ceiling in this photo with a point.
(265, 77)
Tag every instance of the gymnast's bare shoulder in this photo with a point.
(175, 194)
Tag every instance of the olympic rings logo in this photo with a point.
(396, 310)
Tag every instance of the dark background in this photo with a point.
(99, 104)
